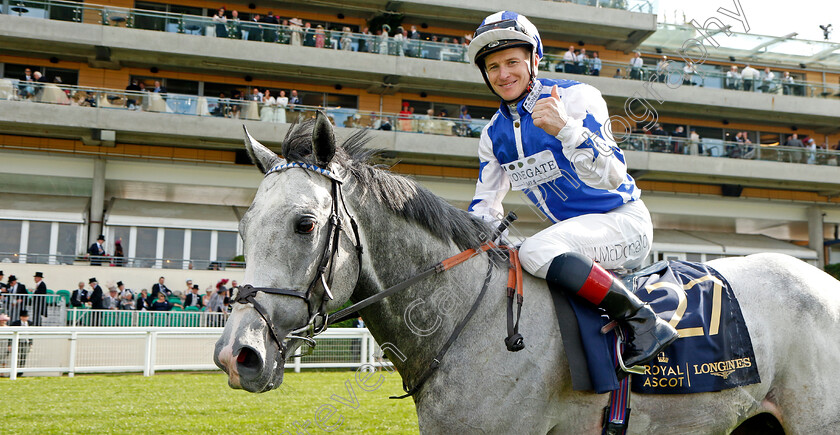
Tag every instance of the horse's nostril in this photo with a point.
(248, 359)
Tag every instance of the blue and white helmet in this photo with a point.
(501, 31)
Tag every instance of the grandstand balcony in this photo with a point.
(371, 74)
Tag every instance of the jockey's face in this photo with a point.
(509, 72)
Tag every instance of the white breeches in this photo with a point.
(620, 238)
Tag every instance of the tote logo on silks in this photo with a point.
(532, 170)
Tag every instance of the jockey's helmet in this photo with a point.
(501, 31)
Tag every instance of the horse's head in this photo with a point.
(299, 265)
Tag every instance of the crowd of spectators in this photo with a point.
(576, 61)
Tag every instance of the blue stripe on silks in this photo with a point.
(508, 15)
(473, 204)
(481, 170)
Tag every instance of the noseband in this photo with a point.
(318, 317)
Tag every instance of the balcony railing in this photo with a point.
(182, 104)
(139, 262)
(674, 75)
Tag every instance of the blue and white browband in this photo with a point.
(283, 166)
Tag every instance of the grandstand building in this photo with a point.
(165, 172)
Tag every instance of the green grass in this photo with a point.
(199, 403)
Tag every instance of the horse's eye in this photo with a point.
(305, 225)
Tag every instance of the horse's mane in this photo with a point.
(402, 195)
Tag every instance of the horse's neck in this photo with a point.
(396, 250)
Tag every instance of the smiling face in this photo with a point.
(509, 72)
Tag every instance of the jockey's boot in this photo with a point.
(648, 334)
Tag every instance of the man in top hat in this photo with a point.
(97, 251)
(194, 299)
(95, 297)
(15, 287)
(24, 344)
(96, 302)
(39, 303)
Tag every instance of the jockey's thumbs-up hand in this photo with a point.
(549, 113)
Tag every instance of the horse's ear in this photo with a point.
(323, 140)
(263, 157)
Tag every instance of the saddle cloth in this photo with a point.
(714, 351)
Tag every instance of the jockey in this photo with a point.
(550, 139)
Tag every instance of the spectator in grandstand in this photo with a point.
(811, 145)
(4, 321)
(194, 299)
(582, 62)
(794, 142)
(767, 80)
(269, 103)
(79, 296)
(161, 304)
(595, 69)
(24, 344)
(346, 41)
(119, 254)
(282, 103)
(221, 23)
(208, 295)
(160, 287)
(678, 142)
(464, 124)
(662, 69)
(749, 75)
(365, 40)
(787, 83)
(255, 29)
(399, 41)
(269, 33)
(15, 287)
(617, 74)
(636, 64)
(255, 95)
(569, 60)
(234, 25)
(688, 73)
(39, 303)
(26, 88)
(131, 90)
(3, 287)
(158, 88)
(97, 250)
(308, 35)
(320, 37)
(111, 301)
(555, 121)
(658, 130)
(217, 300)
(142, 302)
(733, 78)
(295, 32)
(187, 291)
(293, 99)
(382, 39)
(695, 148)
(125, 297)
(95, 296)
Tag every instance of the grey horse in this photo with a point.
(791, 309)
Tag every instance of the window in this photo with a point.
(226, 248)
(173, 248)
(38, 248)
(200, 249)
(67, 242)
(146, 247)
(9, 240)
(188, 87)
(149, 20)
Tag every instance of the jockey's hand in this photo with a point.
(549, 113)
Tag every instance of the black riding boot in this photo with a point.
(579, 275)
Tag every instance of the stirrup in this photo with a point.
(636, 370)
